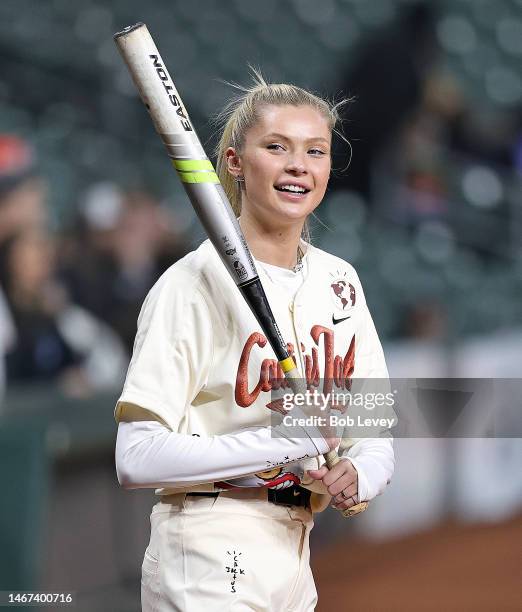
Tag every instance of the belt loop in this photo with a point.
(183, 501)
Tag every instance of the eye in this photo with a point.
(275, 147)
(317, 152)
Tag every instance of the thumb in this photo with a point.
(318, 474)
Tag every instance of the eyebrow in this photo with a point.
(283, 137)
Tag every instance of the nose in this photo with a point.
(296, 164)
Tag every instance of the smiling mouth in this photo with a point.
(294, 190)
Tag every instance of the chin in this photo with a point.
(292, 208)
(295, 212)
(289, 217)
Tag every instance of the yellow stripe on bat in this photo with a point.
(287, 364)
(192, 164)
(195, 170)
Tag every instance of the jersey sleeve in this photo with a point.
(172, 352)
(149, 455)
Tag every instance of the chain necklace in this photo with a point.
(299, 263)
(299, 266)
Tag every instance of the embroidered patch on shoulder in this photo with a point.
(342, 292)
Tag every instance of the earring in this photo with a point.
(240, 179)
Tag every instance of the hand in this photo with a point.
(341, 479)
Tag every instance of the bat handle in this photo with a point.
(331, 458)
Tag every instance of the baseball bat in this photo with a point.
(202, 185)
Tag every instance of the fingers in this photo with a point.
(342, 484)
(343, 470)
(330, 477)
(318, 474)
(349, 499)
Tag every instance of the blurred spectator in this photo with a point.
(22, 205)
(22, 191)
(386, 80)
(56, 340)
(428, 174)
(126, 241)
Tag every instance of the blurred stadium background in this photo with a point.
(429, 212)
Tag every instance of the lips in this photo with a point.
(294, 188)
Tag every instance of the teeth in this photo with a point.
(294, 188)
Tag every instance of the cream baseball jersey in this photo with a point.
(202, 365)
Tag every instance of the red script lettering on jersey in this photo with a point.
(336, 370)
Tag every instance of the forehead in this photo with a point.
(294, 122)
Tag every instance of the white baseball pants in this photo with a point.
(236, 552)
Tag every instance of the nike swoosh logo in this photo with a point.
(296, 493)
(335, 321)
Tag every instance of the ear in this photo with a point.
(233, 162)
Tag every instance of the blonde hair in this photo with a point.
(243, 112)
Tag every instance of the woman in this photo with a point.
(55, 339)
(231, 530)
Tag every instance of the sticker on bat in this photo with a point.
(240, 270)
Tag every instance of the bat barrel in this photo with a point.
(156, 86)
(128, 29)
(196, 172)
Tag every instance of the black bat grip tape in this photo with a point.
(254, 294)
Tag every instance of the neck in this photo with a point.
(276, 246)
